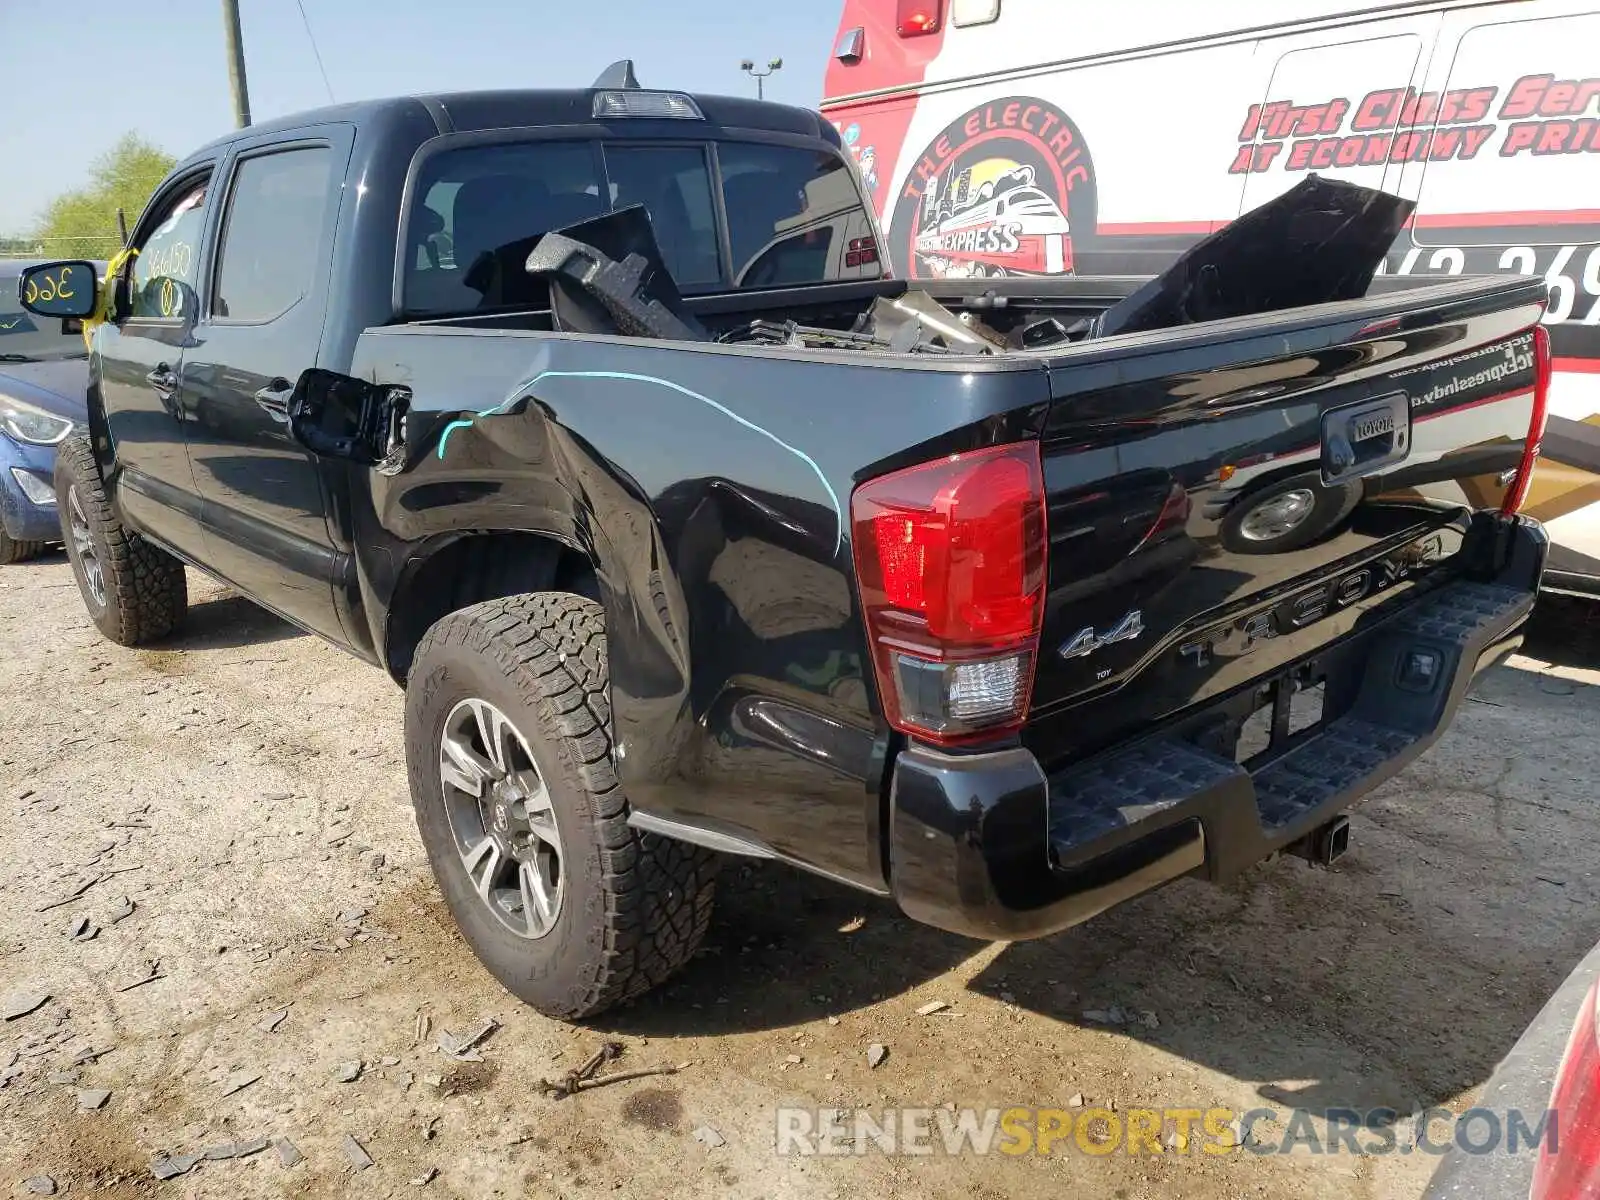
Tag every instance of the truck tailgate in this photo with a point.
(1207, 528)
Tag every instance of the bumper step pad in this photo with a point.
(1131, 790)
(1416, 670)
(1344, 754)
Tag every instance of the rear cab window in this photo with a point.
(794, 215)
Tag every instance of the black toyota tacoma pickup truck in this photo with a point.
(689, 530)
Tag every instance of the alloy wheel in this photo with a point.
(502, 819)
(83, 547)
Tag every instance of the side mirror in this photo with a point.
(58, 289)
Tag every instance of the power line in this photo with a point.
(315, 53)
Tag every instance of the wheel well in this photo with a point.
(474, 568)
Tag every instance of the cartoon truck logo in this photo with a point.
(1008, 226)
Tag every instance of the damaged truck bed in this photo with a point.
(1010, 599)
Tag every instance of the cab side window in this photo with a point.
(268, 257)
(162, 279)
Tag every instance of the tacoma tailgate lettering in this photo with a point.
(1241, 635)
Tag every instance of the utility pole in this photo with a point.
(236, 79)
(748, 66)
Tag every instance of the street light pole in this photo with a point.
(236, 80)
(748, 66)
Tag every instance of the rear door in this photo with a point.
(266, 510)
(139, 357)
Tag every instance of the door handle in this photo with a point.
(274, 400)
(164, 380)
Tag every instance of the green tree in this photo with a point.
(83, 223)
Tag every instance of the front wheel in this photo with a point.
(135, 592)
(508, 745)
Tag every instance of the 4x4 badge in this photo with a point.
(1085, 642)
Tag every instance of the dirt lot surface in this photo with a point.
(242, 786)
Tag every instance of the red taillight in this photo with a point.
(1543, 368)
(1569, 1158)
(951, 560)
(913, 18)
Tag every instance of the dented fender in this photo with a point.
(710, 490)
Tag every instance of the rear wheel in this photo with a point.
(15, 551)
(134, 591)
(508, 744)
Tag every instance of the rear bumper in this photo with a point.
(990, 846)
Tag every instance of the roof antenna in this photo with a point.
(618, 75)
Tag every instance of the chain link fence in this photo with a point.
(92, 246)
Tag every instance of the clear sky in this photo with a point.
(81, 75)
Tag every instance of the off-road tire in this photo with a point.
(636, 904)
(14, 551)
(146, 591)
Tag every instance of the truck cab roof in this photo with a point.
(468, 112)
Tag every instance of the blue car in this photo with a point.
(44, 376)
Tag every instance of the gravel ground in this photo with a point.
(287, 969)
